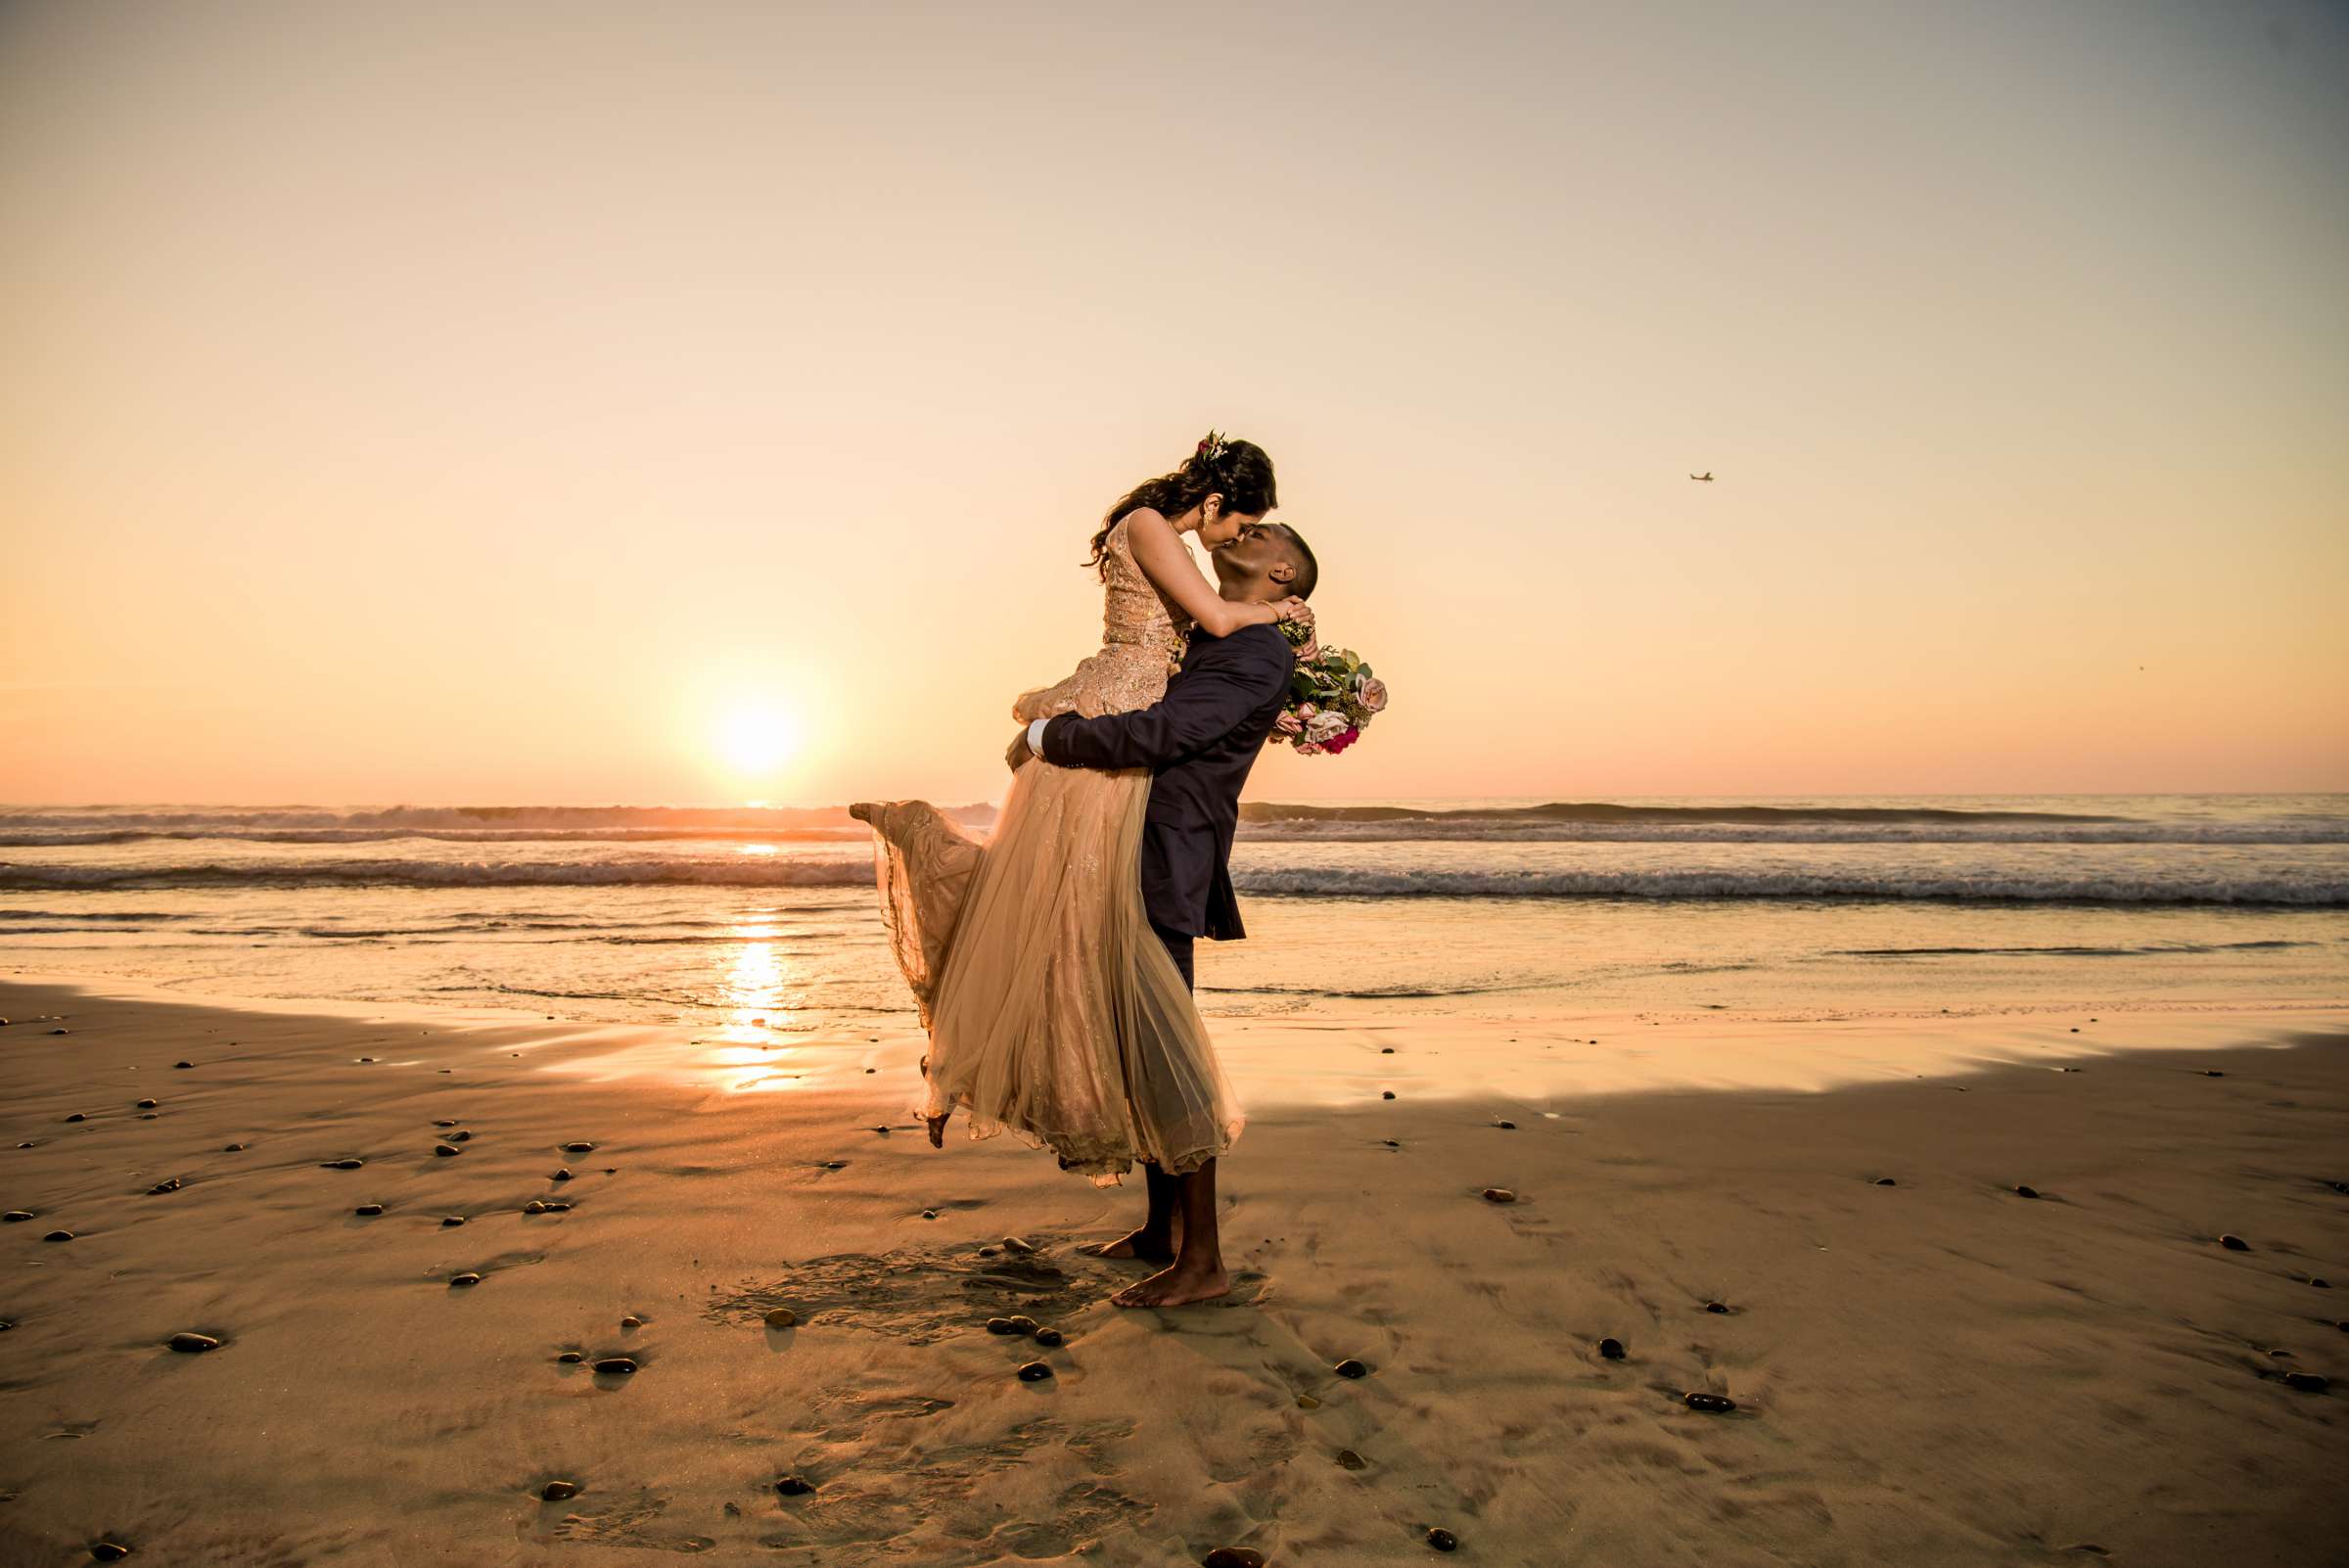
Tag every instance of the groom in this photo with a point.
(1198, 742)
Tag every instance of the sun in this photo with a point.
(757, 738)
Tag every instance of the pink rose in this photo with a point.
(1287, 724)
(1307, 709)
(1373, 695)
(1309, 749)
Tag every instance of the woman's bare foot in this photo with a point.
(938, 1130)
(1158, 1246)
(1172, 1287)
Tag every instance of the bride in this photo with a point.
(1039, 979)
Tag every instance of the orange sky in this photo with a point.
(421, 403)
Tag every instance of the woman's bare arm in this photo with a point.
(1158, 549)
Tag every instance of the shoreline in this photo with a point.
(1937, 1372)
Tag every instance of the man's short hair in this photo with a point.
(1301, 556)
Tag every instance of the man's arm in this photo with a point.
(1232, 679)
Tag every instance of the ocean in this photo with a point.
(1660, 908)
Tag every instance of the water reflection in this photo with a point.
(752, 997)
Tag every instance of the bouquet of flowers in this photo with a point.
(1332, 696)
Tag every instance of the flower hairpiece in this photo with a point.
(1211, 446)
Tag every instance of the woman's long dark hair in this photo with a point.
(1236, 470)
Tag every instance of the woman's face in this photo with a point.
(1226, 527)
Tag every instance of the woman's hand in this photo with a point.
(1294, 609)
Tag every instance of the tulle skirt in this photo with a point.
(1054, 1012)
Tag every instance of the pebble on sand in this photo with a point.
(2212, 1072)
(2308, 1382)
(460, 1136)
(631, 1321)
(107, 1551)
(1442, 1539)
(76, 1116)
(534, 1206)
(571, 1357)
(1506, 1126)
(1015, 1244)
(2235, 1244)
(929, 1214)
(369, 1209)
(192, 1344)
(444, 1124)
(446, 1149)
(615, 1366)
(562, 1174)
(1001, 1325)
(781, 1317)
(1050, 1338)
(1350, 1367)
(466, 1278)
(1386, 1095)
(167, 1185)
(1233, 1558)
(1351, 1460)
(148, 1105)
(795, 1486)
(232, 1148)
(580, 1147)
(1611, 1349)
(1035, 1372)
(1886, 1181)
(558, 1491)
(1305, 1402)
(2026, 1192)
(339, 1165)
(1719, 1307)
(14, 1215)
(452, 1219)
(1716, 1404)
(1500, 1195)
(58, 1235)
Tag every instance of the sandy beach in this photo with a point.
(1927, 1366)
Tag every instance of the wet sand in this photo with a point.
(1940, 1371)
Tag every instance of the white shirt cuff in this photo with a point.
(1036, 739)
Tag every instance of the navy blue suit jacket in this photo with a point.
(1199, 741)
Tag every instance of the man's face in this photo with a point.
(1245, 557)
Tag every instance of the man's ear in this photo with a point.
(1282, 572)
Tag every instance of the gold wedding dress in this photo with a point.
(1054, 1010)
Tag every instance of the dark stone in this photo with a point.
(562, 1174)
(534, 1206)
(14, 1215)
(369, 1209)
(553, 1207)
(448, 1220)
(1886, 1181)
(1001, 1325)
(339, 1165)
(148, 1116)
(1500, 1195)
(2338, 1187)
(2026, 1192)
(466, 1278)
(836, 1165)
(444, 1124)
(460, 1136)
(929, 1214)
(232, 1148)
(1035, 1372)
(1016, 1245)
(1386, 1095)
(1392, 1144)
(1350, 1367)
(167, 1185)
(445, 1150)
(2212, 1072)
(795, 1486)
(1716, 1404)
(1506, 1126)
(1611, 1349)
(1233, 1558)
(1717, 1307)
(631, 1321)
(1022, 1323)
(581, 1147)
(1386, 1051)
(558, 1491)
(366, 1058)
(2320, 1284)
(571, 1357)
(781, 1317)
(1050, 1338)
(2307, 1382)
(76, 1116)
(2235, 1244)
(58, 1032)
(615, 1366)
(192, 1344)
(148, 1105)
(1348, 1459)
(58, 1235)
(1442, 1539)
(107, 1551)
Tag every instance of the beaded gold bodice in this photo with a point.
(1142, 638)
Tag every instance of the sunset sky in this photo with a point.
(448, 403)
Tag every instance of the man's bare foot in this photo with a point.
(938, 1130)
(1158, 1246)
(1172, 1287)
